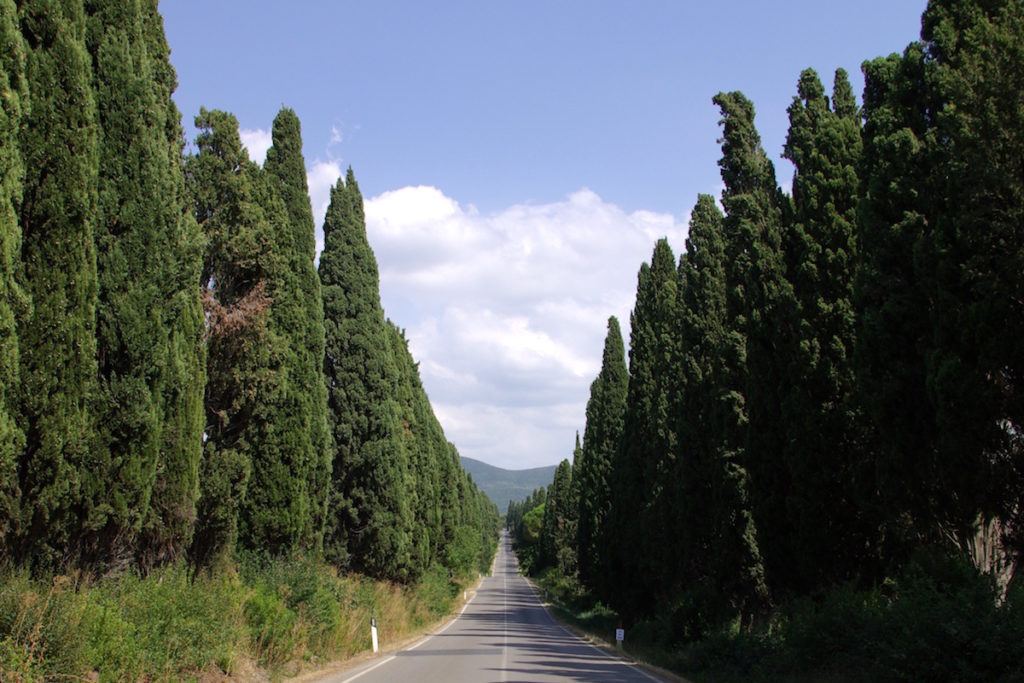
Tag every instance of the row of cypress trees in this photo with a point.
(177, 379)
(826, 381)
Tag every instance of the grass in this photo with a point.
(281, 616)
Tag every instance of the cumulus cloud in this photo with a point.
(506, 311)
(321, 177)
(256, 141)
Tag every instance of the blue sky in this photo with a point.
(518, 159)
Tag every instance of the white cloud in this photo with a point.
(321, 177)
(256, 141)
(506, 311)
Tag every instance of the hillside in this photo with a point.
(503, 485)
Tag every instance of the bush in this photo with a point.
(280, 613)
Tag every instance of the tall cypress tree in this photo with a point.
(722, 567)
(242, 383)
(555, 526)
(974, 60)
(938, 357)
(826, 452)
(606, 411)
(276, 517)
(893, 326)
(370, 520)
(301, 321)
(141, 245)
(642, 493)
(57, 339)
(13, 301)
(760, 310)
(167, 531)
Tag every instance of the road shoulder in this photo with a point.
(334, 670)
(655, 672)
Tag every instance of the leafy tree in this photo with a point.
(143, 241)
(642, 494)
(722, 569)
(370, 521)
(13, 300)
(167, 531)
(606, 410)
(298, 313)
(760, 309)
(937, 354)
(827, 452)
(973, 60)
(57, 338)
(242, 368)
(555, 534)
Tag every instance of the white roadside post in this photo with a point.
(620, 635)
(373, 633)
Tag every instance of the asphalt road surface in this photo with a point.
(504, 635)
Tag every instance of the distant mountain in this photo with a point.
(503, 485)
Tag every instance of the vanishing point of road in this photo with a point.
(504, 635)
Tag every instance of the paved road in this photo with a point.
(504, 635)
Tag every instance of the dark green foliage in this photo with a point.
(147, 258)
(892, 308)
(606, 410)
(721, 573)
(974, 74)
(759, 313)
(299, 315)
(828, 450)
(641, 494)
(558, 527)
(370, 522)
(57, 340)
(938, 294)
(13, 300)
(242, 376)
(556, 540)
(276, 515)
(167, 532)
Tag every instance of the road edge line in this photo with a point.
(637, 664)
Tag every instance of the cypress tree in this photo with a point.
(892, 304)
(606, 410)
(276, 517)
(141, 244)
(370, 520)
(420, 436)
(938, 292)
(825, 451)
(13, 300)
(722, 561)
(299, 315)
(974, 61)
(167, 531)
(555, 526)
(242, 367)
(759, 308)
(641, 490)
(57, 340)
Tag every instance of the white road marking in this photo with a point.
(590, 645)
(366, 671)
(504, 595)
(413, 647)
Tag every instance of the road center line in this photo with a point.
(504, 595)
